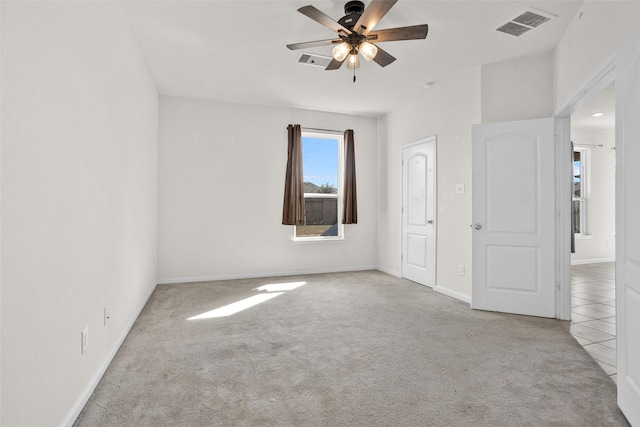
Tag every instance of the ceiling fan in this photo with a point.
(356, 35)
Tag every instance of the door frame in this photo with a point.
(428, 139)
(598, 80)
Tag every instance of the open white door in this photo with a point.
(628, 227)
(513, 243)
(418, 213)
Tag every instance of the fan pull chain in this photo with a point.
(354, 75)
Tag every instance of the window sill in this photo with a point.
(313, 240)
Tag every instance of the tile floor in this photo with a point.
(593, 312)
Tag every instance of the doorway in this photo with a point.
(593, 178)
(593, 293)
(418, 257)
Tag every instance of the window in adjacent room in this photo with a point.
(579, 209)
(321, 165)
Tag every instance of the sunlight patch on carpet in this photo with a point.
(272, 290)
(280, 287)
(236, 307)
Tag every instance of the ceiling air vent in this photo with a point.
(524, 22)
(315, 60)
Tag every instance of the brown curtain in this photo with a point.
(350, 212)
(293, 206)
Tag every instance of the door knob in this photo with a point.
(429, 221)
(477, 226)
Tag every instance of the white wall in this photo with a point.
(447, 110)
(600, 243)
(518, 89)
(595, 33)
(221, 183)
(79, 201)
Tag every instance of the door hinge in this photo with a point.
(401, 209)
(558, 286)
(401, 257)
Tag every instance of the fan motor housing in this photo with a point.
(353, 10)
(354, 6)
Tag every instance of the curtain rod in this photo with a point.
(323, 130)
(592, 146)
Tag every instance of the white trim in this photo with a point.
(592, 261)
(321, 195)
(84, 397)
(419, 142)
(564, 192)
(390, 272)
(598, 80)
(177, 280)
(319, 239)
(445, 291)
(584, 236)
(453, 294)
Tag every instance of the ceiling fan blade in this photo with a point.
(372, 15)
(383, 58)
(323, 19)
(401, 33)
(305, 45)
(334, 65)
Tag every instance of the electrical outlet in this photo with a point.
(460, 269)
(84, 340)
(106, 316)
(459, 188)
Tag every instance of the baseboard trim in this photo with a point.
(448, 292)
(453, 294)
(592, 261)
(86, 395)
(390, 272)
(178, 280)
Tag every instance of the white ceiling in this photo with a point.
(236, 50)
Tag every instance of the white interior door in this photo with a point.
(513, 203)
(418, 212)
(628, 227)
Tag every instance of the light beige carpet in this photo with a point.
(347, 349)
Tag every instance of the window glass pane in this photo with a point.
(580, 177)
(320, 165)
(317, 230)
(576, 216)
(320, 174)
(577, 170)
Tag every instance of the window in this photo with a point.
(321, 166)
(579, 191)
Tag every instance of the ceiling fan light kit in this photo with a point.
(356, 35)
(341, 51)
(353, 62)
(368, 50)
